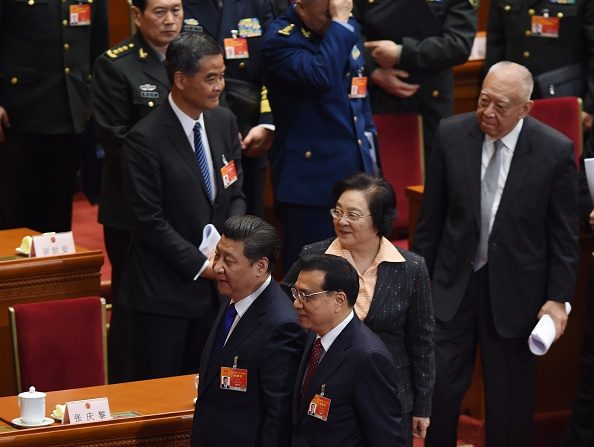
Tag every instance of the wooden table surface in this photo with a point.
(160, 404)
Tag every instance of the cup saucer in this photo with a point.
(45, 421)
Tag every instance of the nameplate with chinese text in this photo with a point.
(85, 411)
(52, 244)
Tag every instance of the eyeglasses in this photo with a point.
(305, 297)
(350, 217)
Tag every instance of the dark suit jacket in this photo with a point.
(435, 36)
(401, 314)
(35, 89)
(129, 81)
(533, 247)
(360, 381)
(507, 39)
(268, 342)
(170, 209)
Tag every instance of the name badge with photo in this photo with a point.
(545, 26)
(236, 48)
(80, 15)
(228, 173)
(233, 379)
(319, 407)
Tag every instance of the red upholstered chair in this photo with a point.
(565, 115)
(400, 139)
(59, 344)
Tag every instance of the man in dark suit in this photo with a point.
(182, 171)
(346, 377)
(498, 230)
(230, 22)
(47, 49)
(255, 344)
(314, 58)
(129, 81)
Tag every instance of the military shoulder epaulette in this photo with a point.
(287, 30)
(120, 51)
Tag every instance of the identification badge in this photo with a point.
(80, 15)
(236, 48)
(234, 378)
(358, 87)
(545, 26)
(228, 172)
(319, 407)
(250, 27)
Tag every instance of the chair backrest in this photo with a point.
(59, 344)
(400, 139)
(565, 115)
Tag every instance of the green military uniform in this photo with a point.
(435, 36)
(510, 37)
(129, 81)
(47, 48)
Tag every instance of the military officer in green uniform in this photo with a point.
(129, 81)
(544, 35)
(46, 53)
(412, 46)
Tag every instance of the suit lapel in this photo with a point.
(153, 66)
(311, 336)
(247, 325)
(395, 271)
(207, 352)
(329, 364)
(207, 14)
(519, 168)
(473, 168)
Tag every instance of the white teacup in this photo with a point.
(32, 405)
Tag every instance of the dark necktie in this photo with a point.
(201, 158)
(488, 190)
(224, 328)
(314, 359)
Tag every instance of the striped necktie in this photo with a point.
(201, 158)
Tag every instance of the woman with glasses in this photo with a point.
(394, 299)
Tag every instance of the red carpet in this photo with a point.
(88, 232)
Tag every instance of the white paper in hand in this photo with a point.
(210, 239)
(589, 166)
(543, 334)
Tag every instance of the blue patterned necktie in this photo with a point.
(224, 328)
(201, 158)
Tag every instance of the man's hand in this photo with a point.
(587, 121)
(389, 80)
(4, 122)
(257, 141)
(419, 427)
(340, 10)
(385, 52)
(556, 311)
(208, 272)
(591, 220)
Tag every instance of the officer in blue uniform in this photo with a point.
(47, 49)
(238, 26)
(316, 86)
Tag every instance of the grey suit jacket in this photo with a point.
(170, 208)
(401, 314)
